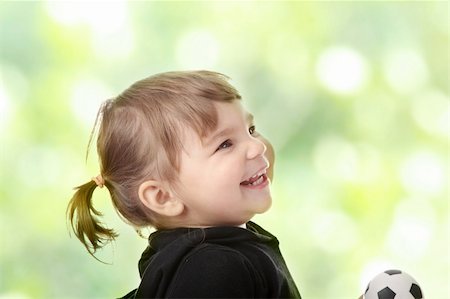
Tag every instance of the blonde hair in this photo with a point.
(139, 137)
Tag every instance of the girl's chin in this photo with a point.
(265, 205)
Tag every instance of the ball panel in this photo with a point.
(393, 272)
(386, 293)
(416, 291)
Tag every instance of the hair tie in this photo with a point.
(99, 180)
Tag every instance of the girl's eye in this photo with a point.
(226, 144)
(252, 130)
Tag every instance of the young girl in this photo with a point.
(178, 152)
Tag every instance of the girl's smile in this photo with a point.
(257, 181)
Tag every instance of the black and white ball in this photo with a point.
(393, 284)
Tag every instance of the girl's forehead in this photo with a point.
(231, 110)
(231, 114)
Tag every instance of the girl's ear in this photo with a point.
(155, 196)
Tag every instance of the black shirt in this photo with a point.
(215, 262)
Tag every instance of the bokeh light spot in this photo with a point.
(342, 70)
(422, 172)
(405, 70)
(87, 96)
(106, 20)
(39, 166)
(334, 232)
(14, 90)
(337, 159)
(412, 229)
(197, 49)
(100, 16)
(15, 295)
(66, 13)
(5, 107)
(431, 111)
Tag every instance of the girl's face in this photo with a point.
(222, 177)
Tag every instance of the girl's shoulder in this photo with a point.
(215, 270)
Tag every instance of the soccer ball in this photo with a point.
(393, 284)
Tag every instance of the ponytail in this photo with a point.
(85, 224)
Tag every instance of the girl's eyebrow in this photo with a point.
(222, 133)
(250, 117)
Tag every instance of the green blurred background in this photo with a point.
(353, 95)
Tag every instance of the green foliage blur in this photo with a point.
(353, 95)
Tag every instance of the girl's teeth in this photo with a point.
(258, 181)
(255, 180)
(256, 176)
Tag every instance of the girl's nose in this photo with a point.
(255, 148)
